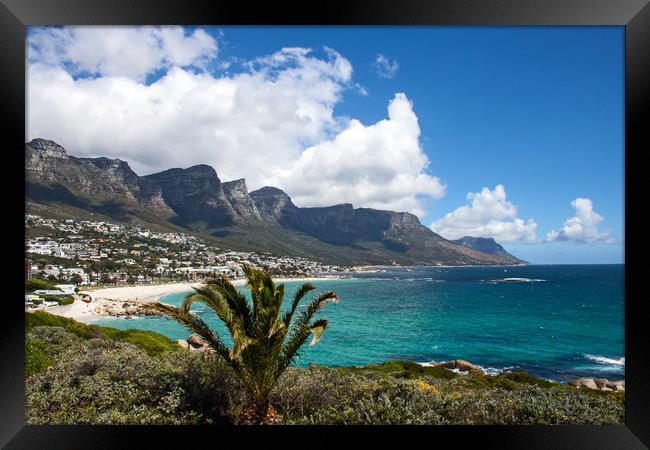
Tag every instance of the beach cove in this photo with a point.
(130, 300)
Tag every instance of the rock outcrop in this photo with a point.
(195, 343)
(486, 245)
(602, 384)
(236, 192)
(273, 204)
(458, 364)
(90, 183)
(196, 195)
(115, 308)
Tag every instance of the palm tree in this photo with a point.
(265, 342)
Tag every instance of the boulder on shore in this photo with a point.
(196, 341)
(183, 343)
(602, 384)
(580, 383)
(459, 364)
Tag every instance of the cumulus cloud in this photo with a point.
(131, 52)
(272, 122)
(380, 165)
(489, 214)
(246, 125)
(385, 67)
(583, 227)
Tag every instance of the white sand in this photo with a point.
(115, 297)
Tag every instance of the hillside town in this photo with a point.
(86, 252)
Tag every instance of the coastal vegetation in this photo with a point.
(265, 342)
(83, 374)
(150, 342)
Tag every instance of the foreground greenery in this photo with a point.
(152, 343)
(81, 374)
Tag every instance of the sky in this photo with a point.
(514, 133)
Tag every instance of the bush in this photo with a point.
(320, 395)
(41, 318)
(152, 343)
(105, 382)
(36, 357)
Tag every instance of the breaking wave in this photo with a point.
(605, 360)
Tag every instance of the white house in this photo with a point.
(66, 288)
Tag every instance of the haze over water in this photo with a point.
(564, 322)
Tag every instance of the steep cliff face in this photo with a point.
(267, 219)
(51, 172)
(272, 203)
(236, 194)
(196, 196)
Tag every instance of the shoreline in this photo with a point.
(127, 301)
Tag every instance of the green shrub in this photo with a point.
(149, 341)
(36, 357)
(41, 318)
(58, 341)
(98, 381)
(327, 396)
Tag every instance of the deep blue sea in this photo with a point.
(565, 321)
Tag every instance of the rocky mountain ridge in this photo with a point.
(265, 219)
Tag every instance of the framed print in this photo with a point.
(412, 218)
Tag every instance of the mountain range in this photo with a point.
(265, 220)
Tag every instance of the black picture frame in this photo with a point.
(15, 15)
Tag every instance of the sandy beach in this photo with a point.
(130, 300)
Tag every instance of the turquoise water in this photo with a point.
(569, 322)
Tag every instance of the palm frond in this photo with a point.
(317, 329)
(264, 342)
(237, 301)
(300, 293)
(301, 329)
(198, 326)
(233, 322)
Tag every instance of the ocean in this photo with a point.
(557, 322)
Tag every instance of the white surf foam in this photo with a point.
(605, 360)
(517, 280)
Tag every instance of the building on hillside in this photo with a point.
(54, 292)
(28, 269)
(69, 273)
(67, 289)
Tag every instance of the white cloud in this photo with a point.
(120, 51)
(490, 214)
(583, 226)
(385, 67)
(245, 125)
(379, 166)
(255, 124)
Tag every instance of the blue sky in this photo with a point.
(537, 110)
